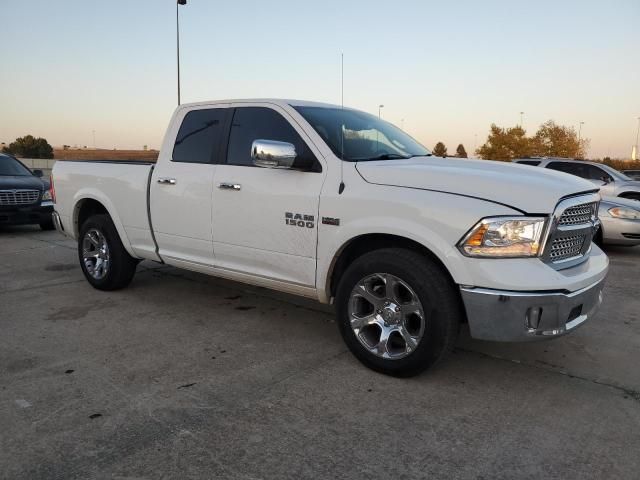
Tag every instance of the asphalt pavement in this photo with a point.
(187, 376)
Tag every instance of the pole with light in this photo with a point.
(521, 118)
(580, 132)
(637, 136)
(178, 3)
(380, 107)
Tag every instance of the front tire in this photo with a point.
(398, 311)
(105, 262)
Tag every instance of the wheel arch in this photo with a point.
(86, 205)
(361, 244)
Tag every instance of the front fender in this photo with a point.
(434, 220)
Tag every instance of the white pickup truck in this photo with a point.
(337, 205)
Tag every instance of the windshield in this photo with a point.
(618, 175)
(366, 137)
(9, 166)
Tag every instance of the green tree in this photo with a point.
(505, 144)
(30, 147)
(440, 150)
(552, 140)
(461, 152)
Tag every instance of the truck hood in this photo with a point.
(529, 189)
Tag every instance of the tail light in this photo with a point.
(52, 189)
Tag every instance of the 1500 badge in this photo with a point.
(299, 220)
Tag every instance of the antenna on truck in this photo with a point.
(341, 187)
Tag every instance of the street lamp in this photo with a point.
(178, 3)
(635, 156)
(521, 117)
(580, 131)
(380, 107)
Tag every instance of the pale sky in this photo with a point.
(449, 69)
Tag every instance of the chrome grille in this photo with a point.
(563, 248)
(573, 224)
(19, 197)
(579, 214)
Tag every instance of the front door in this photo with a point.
(181, 187)
(265, 220)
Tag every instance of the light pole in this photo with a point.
(521, 118)
(580, 132)
(178, 3)
(380, 107)
(580, 138)
(637, 135)
(94, 138)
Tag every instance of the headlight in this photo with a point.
(504, 237)
(46, 195)
(623, 212)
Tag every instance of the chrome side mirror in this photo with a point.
(273, 154)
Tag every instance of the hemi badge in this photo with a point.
(331, 221)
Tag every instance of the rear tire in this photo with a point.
(407, 301)
(105, 262)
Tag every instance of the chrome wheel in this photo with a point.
(386, 316)
(95, 254)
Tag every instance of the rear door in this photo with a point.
(265, 219)
(182, 183)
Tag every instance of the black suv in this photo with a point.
(25, 198)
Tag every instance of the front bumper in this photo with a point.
(507, 316)
(26, 215)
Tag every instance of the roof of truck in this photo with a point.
(276, 101)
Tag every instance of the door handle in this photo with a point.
(167, 181)
(229, 186)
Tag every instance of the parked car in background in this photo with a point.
(635, 174)
(25, 198)
(340, 206)
(612, 182)
(619, 222)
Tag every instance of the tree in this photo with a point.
(30, 147)
(461, 152)
(440, 150)
(553, 140)
(505, 144)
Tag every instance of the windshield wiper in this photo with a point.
(384, 156)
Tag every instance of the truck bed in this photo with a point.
(121, 186)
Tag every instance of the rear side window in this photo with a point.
(259, 123)
(199, 136)
(572, 168)
(529, 162)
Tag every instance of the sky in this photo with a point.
(443, 70)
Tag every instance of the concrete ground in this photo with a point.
(185, 376)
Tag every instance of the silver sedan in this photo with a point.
(620, 222)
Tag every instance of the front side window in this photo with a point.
(595, 173)
(260, 123)
(199, 136)
(10, 167)
(358, 136)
